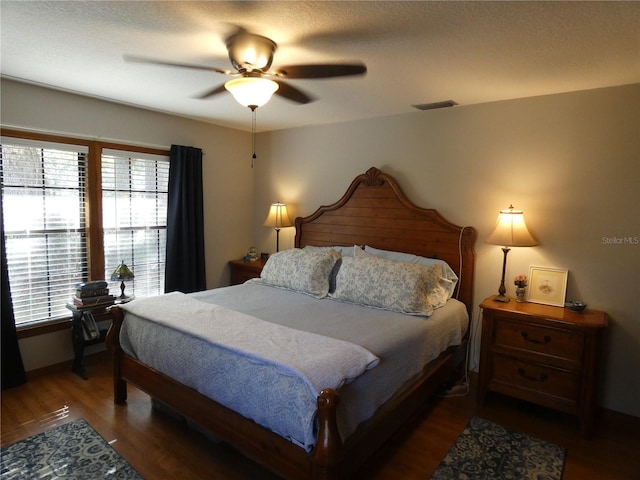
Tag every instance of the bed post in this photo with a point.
(113, 343)
(326, 455)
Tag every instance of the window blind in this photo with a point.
(43, 200)
(134, 209)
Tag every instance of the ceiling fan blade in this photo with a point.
(152, 61)
(320, 71)
(294, 94)
(214, 91)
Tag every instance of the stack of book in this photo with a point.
(92, 294)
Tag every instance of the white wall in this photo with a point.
(227, 172)
(570, 161)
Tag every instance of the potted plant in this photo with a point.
(520, 282)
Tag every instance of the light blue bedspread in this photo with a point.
(265, 394)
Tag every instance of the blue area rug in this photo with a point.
(72, 451)
(487, 451)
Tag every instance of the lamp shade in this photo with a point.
(511, 231)
(278, 217)
(122, 272)
(252, 92)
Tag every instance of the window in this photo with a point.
(43, 203)
(134, 210)
(64, 226)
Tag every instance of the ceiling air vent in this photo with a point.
(435, 105)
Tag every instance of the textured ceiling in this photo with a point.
(416, 52)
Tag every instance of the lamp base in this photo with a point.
(501, 298)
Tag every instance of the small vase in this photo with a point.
(520, 294)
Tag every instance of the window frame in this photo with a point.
(93, 186)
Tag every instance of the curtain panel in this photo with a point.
(13, 373)
(185, 262)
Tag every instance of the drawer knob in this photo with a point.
(544, 341)
(543, 376)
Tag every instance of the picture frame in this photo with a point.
(547, 285)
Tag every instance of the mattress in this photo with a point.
(404, 344)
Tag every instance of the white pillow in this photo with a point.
(301, 270)
(449, 277)
(388, 284)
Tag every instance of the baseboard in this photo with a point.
(66, 365)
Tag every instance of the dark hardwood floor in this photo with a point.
(159, 446)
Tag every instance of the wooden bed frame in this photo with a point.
(374, 212)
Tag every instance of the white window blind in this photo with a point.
(134, 210)
(43, 200)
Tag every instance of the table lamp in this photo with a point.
(123, 274)
(510, 231)
(278, 218)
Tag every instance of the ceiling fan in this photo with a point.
(255, 82)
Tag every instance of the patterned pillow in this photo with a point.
(301, 270)
(388, 284)
(343, 251)
(448, 280)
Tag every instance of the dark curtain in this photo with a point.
(185, 269)
(12, 367)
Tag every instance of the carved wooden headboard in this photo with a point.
(374, 211)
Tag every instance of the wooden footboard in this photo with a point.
(330, 459)
(255, 441)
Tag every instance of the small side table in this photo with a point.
(243, 270)
(78, 341)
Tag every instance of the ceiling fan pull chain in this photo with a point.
(253, 134)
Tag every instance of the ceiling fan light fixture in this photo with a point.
(252, 92)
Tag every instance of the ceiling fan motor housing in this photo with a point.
(249, 52)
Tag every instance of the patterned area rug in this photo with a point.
(73, 451)
(487, 451)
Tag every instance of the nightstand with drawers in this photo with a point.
(542, 354)
(243, 270)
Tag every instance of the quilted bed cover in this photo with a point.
(274, 394)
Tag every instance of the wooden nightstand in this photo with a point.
(542, 354)
(242, 270)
